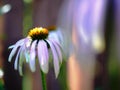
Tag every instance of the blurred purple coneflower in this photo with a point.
(37, 44)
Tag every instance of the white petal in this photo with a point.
(33, 56)
(55, 58)
(43, 55)
(19, 43)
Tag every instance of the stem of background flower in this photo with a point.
(43, 77)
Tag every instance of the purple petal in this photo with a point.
(58, 50)
(55, 58)
(54, 35)
(16, 59)
(21, 50)
(21, 60)
(19, 43)
(43, 55)
(33, 55)
(28, 42)
(27, 56)
(27, 49)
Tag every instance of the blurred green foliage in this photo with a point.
(2, 84)
(114, 66)
(27, 18)
(27, 24)
(63, 76)
(27, 1)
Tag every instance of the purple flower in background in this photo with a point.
(82, 26)
(117, 24)
(37, 44)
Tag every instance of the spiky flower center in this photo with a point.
(38, 33)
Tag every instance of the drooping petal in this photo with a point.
(20, 70)
(55, 58)
(56, 35)
(43, 55)
(21, 60)
(16, 59)
(33, 56)
(27, 56)
(12, 46)
(22, 54)
(18, 43)
(28, 42)
(58, 50)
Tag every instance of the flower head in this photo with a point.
(37, 44)
(38, 33)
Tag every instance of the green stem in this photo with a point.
(43, 77)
